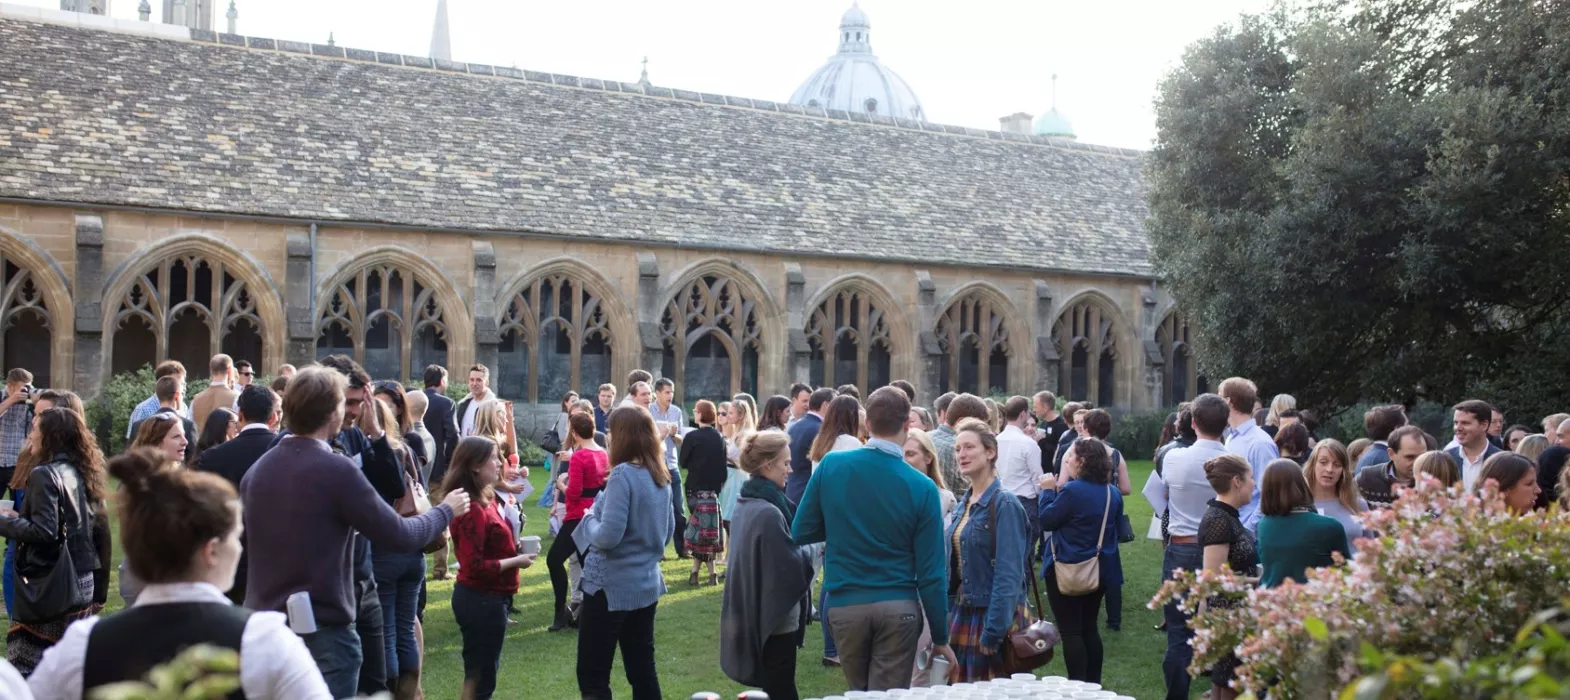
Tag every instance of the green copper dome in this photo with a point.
(1053, 123)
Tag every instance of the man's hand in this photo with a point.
(370, 422)
(458, 501)
(944, 651)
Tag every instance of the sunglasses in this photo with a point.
(247, 374)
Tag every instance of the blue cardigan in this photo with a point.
(624, 535)
(1073, 515)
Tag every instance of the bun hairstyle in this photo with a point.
(167, 514)
(760, 448)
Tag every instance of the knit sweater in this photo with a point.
(624, 535)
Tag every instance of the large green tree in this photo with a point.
(1371, 200)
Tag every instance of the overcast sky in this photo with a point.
(969, 61)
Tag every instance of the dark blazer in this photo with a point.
(442, 422)
(231, 461)
(190, 431)
(801, 436)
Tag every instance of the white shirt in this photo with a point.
(1019, 462)
(1471, 470)
(12, 685)
(254, 426)
(841, 444)
(467, 426)
(274, 662)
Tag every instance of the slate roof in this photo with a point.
(232, 124)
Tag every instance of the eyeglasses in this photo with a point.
(247, 374)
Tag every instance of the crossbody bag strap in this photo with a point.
(1104, 513)
(60, 502)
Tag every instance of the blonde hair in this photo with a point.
(1278, 404)
(490, 420)
(729, 430)
(1438, 465)
(932, 471)
(760, 448)
(389, 420)
(1532, 446)
(1346, 488)
(1356, 449)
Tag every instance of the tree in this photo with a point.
(1371, 199)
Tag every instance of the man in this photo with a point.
(959, 408)
(848, 390)
(1074, 415)
(1551, 463)
(243, 373)
(440, 421)
(882, 524)
(1245, 439)
(668, 418)
(1050, 426)
(641, 394)
(286, 370)
(1188, 496)
(303, 504)
(802, 432)
(1378, 423)
(1496, 429)
(218, 394)
(800, 394)
(1551, 423)
(167, 368)
(420, 441)
(1472, 447)
(259, 412)
(479, 392)
(1377, 483)
(633, 378)
(907, 387)
(16, 419)
(603, 408)
(1019, 462)
(170, 392)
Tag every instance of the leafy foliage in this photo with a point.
(1536, 667)
(201, 672)
(1369, 199)
(1137, 434)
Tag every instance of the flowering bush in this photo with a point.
(1450, 574)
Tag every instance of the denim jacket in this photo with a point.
(989, 579)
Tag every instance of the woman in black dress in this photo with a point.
(1227, 544)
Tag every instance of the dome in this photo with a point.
(1053, 123)
(853, 80)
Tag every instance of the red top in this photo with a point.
(585, 479)
(482, 539)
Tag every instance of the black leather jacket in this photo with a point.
(37, 525)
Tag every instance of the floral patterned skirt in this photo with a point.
(704, 539)
(966, 623)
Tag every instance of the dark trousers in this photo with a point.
(1076, 616)
(1114, 606)
(5, 482)
(777, 668)
(600, 631)
(1174, 666)
(336, 650)
(556, 562)
(482, 621)
(681, 517)
(1032, 527)
(373, 670)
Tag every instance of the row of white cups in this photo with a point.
(1020, 686)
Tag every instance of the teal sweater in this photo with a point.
(883, 524)
(1290, 545)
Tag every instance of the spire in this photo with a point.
(144, 11)
(644, 78)
(1054, 92)
(233, 15)
(855, 31)
(441, 40)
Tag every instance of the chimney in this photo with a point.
(1016, 123)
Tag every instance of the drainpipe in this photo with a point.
(313, 272)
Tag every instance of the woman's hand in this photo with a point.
(1048, 482)
(522, 561)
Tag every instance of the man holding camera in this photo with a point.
(16, 418)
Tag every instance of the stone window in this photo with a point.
(850, 342)
(555, 338)
(186, 308)
(1180, 379)
(974, 341)
(712, 340)
(872, 106)
(27, 340)
(1086, 336)
(387, 319)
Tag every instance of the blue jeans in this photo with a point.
(398, 578)
(1189, 557)
(681, 517)
(336, 650)
(829, 649)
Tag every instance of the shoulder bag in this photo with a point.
(415, 500)
(1082, 578)
(1029, 647)
(51, 591)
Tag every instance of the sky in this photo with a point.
(969, 62)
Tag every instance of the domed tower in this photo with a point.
(854, 81)
(1052, 122)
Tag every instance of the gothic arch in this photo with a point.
(162, 286)
(1180, 370)
(845, 297)
(34, 292)
(979, 317)
(598, 318)
(719, 302)
(1098, 349)
(427, 313)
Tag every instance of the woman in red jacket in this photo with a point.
(586, 471)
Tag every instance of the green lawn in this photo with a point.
(540, 664)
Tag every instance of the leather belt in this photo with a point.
(1183, 539)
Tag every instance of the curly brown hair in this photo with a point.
(60, 431)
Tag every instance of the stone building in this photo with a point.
(179, 193)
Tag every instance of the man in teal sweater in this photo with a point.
(882, 525)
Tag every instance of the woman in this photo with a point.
(985, 542)
(1531, 447)
(29, 458)
(841, 424)
(68, 483)
(1356, 448)
(625, 535)
(181, 531)
(1513, 435)
(493, 419)
(922, 454)
(1329, 474)
(393, 394)
(767, 601)
(775, 413)
(488, 563)
(1227, 545)
(398, 574)
(1437, 465)
(164, 432)
(1282, 402)
(1078, 512)
(585, 477)
(1292, 537)
(1292, 443)
(1516, 478)
(741, 426)
(702, 454)
(221, 426)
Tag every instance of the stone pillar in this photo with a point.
(650, 307)
(927, 339)
(88, 289)
(798, 351)
(299, 307)
(1154, 364)
(1049, 364)
(486, 336)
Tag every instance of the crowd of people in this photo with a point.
(921, 529)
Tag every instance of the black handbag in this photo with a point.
(552, 443)
(45, 592)
(1125, 529)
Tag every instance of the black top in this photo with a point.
(1549, 464)
(1054, 429)
(1221, 525)
(1063, 445)
(232, 460)
(126, 645)
(1377, 484)
(703, 456)
(442, 422)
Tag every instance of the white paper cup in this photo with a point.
(7, 505)
(529, 544)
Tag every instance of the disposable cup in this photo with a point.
(529, 544)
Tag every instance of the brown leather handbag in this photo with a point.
(1029, 647)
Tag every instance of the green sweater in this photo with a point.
(1290, 545)
(883, 524)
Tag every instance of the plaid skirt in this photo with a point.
(966, 623)
(704, 539)
(26, 643)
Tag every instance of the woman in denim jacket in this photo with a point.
(986, 539)
(1074, 512)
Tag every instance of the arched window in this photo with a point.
(186, 308)
(1086, 336)
(850, 342)
(872, 106)
(712, 340)
(975, 344)
(28, 326)
(387, 319)
(1180, 382)
(555, 338)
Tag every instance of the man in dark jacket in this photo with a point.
(802, 433)
(442, 422)
(259, 416)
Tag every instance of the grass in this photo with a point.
(540, 664)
